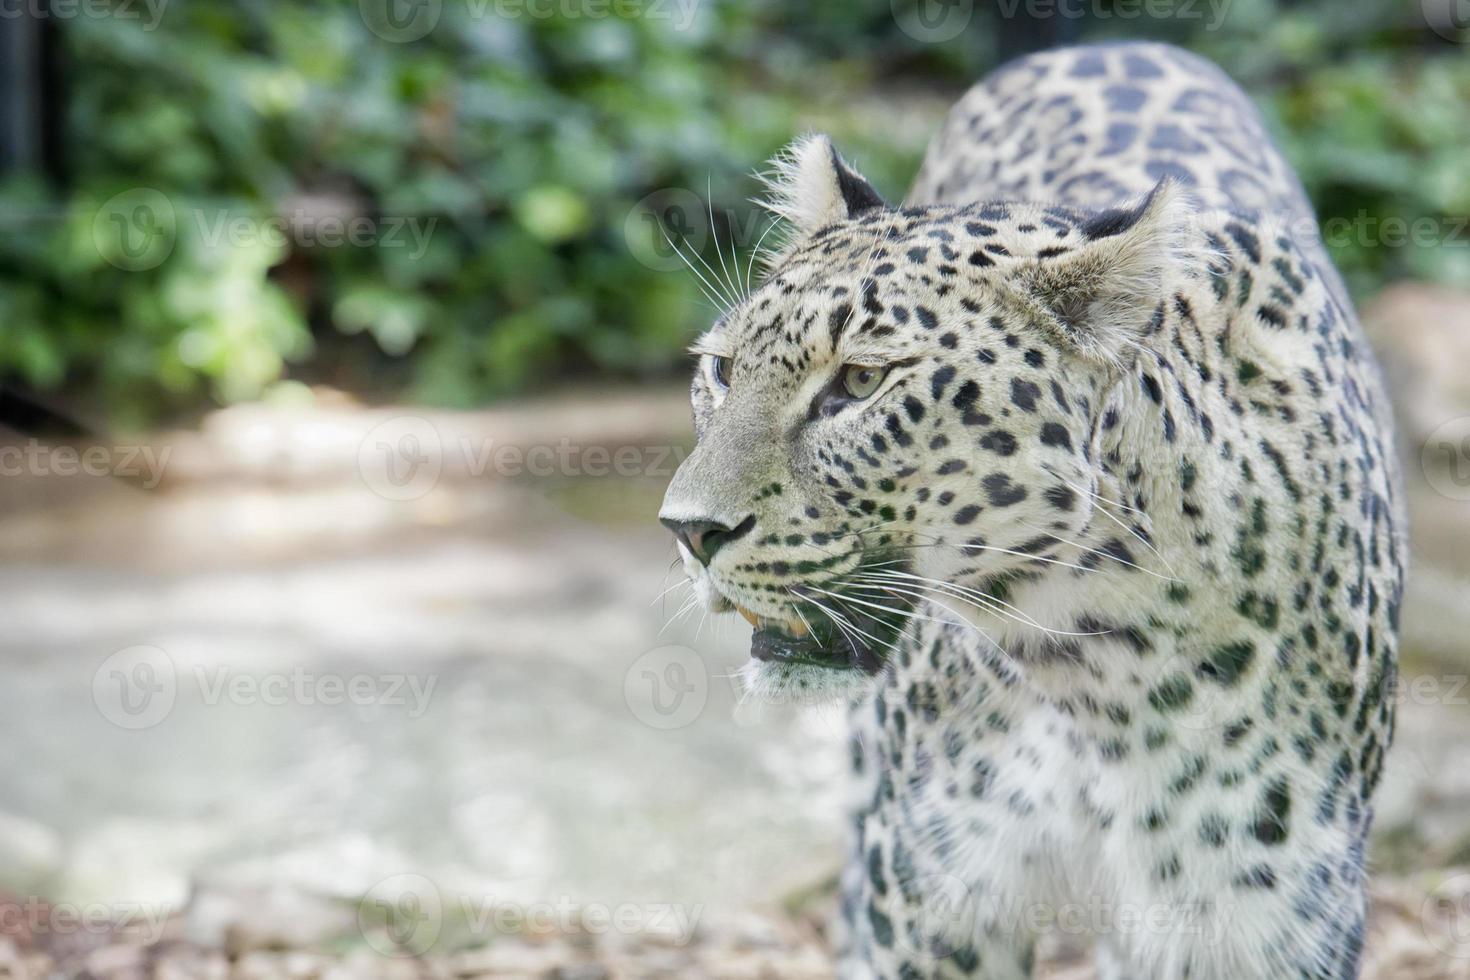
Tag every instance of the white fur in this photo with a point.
(802, 191)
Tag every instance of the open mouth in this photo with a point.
(860, 641)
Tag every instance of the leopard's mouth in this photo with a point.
(860, 642)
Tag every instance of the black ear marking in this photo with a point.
(1115, 221)
(857, 194)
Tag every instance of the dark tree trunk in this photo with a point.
(30, 94)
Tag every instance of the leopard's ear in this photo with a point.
(1099, 298)
(810, 186)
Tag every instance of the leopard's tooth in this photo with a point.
(796, 628)
(750, 617)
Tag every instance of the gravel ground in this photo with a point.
(1417, 933)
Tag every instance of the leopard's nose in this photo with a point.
(704, 537)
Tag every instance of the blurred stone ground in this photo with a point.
(1416, 932)
(560, 752)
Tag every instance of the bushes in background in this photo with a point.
(271, 190)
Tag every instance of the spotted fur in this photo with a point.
(1129, 482)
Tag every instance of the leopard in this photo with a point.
(1072, 481)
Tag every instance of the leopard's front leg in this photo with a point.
(934, 927)
(957, 826)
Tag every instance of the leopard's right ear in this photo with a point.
(1097, 298)
(810, 187)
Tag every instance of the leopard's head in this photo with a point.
(909, 405)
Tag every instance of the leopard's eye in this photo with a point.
(860, 380)
(719, 369)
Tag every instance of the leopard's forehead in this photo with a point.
(932, 243)
(890, 279)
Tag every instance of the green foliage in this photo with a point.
(1369, 105)
(489, 183)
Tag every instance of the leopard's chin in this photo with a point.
(828, 651)
(803, 682)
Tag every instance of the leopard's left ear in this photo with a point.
(810, 186)
(1099, 297)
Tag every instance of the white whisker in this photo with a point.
(709, 195)
(1104, 554)
(706, 287)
